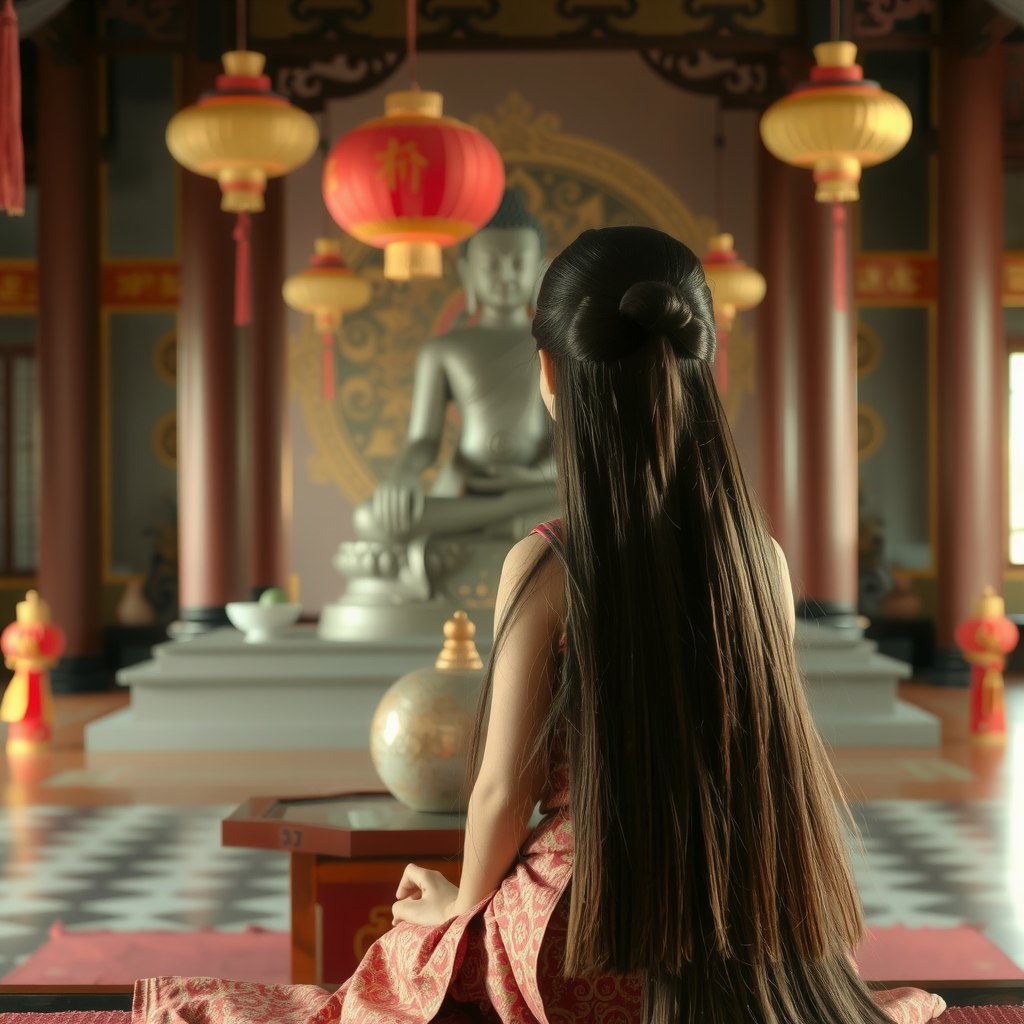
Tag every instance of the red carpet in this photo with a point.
(112, 958)
(118, 958)
(954, 1015)
(913, 954)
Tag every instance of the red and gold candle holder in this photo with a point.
(985, 640)
(31, 646)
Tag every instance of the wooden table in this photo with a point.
(347, 853)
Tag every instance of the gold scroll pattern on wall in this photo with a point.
(570, 184)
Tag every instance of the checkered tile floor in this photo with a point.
(925, 862)
(141, 868)
(132, 868)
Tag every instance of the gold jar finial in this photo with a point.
(459, 651)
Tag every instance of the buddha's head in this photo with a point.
(501, 263)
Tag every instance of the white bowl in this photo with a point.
(261, 622)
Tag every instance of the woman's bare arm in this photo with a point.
(504, 794)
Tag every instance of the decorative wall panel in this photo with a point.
(508, 20)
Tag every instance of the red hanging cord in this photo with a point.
(719, 164)
(243, 274)
(410, 40)
(12, 151)
(839, 283)
(839, 274)
(242, 233)
(722, 346)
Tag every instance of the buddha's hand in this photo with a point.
(498, 479)
(398, 504)
(424, 897)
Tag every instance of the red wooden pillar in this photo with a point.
(827, 399)
(971, 350)
(775, 323)
(266, 398)
(68, 363)
(209, 571)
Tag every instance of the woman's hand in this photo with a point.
(424, 897)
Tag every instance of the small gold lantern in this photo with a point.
(836, 123)
(734, 287)
(326, 290)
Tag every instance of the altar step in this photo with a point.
(299, 692)
(852, 691)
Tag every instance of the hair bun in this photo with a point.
(661, 310)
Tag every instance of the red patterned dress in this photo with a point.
(497, 964)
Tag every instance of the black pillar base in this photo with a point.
(949, 668)
(84, 673)
(193, 622)
(838, 614)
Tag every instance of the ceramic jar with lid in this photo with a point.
(421, 731)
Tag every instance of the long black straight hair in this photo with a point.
(708, 857)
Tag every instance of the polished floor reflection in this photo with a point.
(131, 841)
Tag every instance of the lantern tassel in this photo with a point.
(12, 150)
(839, 288)
(327, 339)
(243, 275)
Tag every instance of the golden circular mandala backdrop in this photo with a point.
(570, 184)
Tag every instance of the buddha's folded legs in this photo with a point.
(458, 515)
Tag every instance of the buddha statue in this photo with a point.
(416, 553)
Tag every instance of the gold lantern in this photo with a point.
(326, 290)
(734, 288)
(242, 133)
(836, 123)
(734, 285)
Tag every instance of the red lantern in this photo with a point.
(985, 640)
(31, 646)
(412, 182)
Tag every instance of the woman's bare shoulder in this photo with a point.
(547, 587)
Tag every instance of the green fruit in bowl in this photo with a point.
(272, 596)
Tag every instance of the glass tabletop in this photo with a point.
(362, 812)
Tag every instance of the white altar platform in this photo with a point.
(299, 692)
(218, 692)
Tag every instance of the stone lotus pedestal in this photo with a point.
(412, 587)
